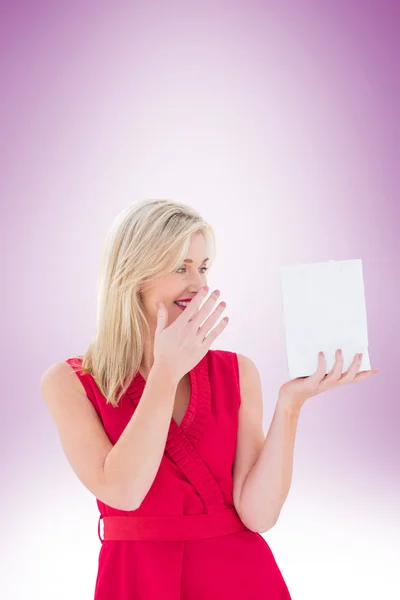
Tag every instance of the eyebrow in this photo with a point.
(189, 260)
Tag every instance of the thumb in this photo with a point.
(161, 316)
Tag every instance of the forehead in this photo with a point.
(197, 251)
(190, 261)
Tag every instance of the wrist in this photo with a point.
(165, 373)
(289, 404)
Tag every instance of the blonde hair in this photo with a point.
(147, 241)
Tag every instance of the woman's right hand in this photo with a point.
(180, 346)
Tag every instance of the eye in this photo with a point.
(206, 268)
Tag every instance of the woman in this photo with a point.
(166, 433)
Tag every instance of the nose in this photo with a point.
(199, 283)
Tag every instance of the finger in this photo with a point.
(337, 369)
(321, 370)
(161, 316)
(194, 305)
(212, 319)
(208, 340)
(204, 311)
(364, 375)
(352, 371)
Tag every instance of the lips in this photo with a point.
(180, 306)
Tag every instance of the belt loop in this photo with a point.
(98, 529)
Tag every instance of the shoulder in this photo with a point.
(222, 355)
(62, 373)
(244, 363)
(231, 355)
(247, 367)
(250, 384)
(246, 370)
(223, 359)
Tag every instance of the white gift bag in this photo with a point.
(324, 309)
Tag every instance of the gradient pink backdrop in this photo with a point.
(279, 122)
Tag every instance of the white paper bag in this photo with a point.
(324, 309)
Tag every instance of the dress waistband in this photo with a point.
(171, 528)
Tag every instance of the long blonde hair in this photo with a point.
(147, 241)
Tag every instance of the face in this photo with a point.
(185, 282)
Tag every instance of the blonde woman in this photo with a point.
(167, 433)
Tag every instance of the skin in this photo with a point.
(265, 464)
(185, 282)
(294, 393)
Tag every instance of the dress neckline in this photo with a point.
(199, 406)
(190, 408)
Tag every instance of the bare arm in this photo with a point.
(118, 475)
(133, 461)
(267, 484)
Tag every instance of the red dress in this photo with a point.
(189, 543)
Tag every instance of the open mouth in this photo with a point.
(181, 306)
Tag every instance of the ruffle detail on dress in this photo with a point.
(181, 439)
(185, 455)
(199, 406)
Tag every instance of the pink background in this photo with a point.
(279, 122)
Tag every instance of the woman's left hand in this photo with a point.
(296, 391)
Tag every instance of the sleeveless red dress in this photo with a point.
(188, 542)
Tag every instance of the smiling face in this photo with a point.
(185, 282)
